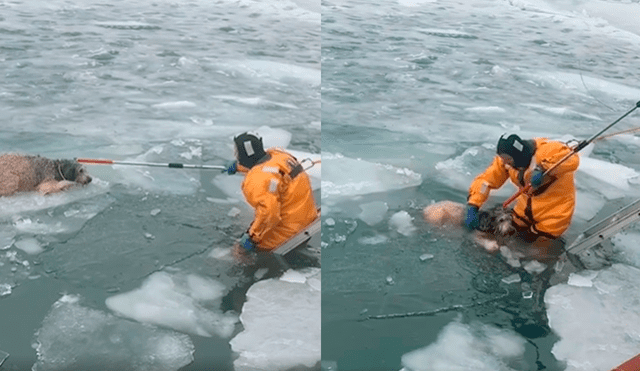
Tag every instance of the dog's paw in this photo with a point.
(66, 184)
(488, 244)
(54, 186)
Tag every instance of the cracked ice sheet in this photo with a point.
(281, 320)
(345, 177)
(598, 322)
(74, 337)
(177, 301)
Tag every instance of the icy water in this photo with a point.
(133, 272)
(415, 95)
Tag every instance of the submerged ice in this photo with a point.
(75, 337)
(469, 346)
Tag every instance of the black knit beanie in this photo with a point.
(520, 150)
(250, 149)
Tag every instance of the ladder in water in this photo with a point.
(606, 228)
(296, 241)
(300, 238)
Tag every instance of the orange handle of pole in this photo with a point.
(516, 195)
(92, 161)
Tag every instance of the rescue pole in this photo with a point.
(575, 150)
(153, 164)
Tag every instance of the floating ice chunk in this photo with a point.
(71, 212)
(588, 204)
(598, 326)
(487, 109)
(274, 137)
(615, 175)
(577, 82)
(275, 70)
(390, 280)
(534, 267)
(260, 273)
(221, 253)
(193, 152)
(157, 179)
(329, 365)
(26, 225)
(293, 276)
(166, 300)
(582, 279)
(3, 356)
(30, 245)
(5, 289)
(223, 201)
(626, 246)
(373, 212)
(512, 258)
(234, 212)
(514, 278)
(425, 257)
(344, 177)
(149, 236)
(281, 325)
(230, 185)
(373, 240)
(315, 283)
(459, 346)
(402, 222)
(459, 171)
(155, 212)
(6, 239)
(12, 256)
(564, 112)
(329, 222)
(175, 105)
(446, 32)
(204, 289)
(74, 337)
(28, 202)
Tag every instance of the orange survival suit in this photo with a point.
(280, 192)
(549, 209)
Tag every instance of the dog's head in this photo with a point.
(497, 221)
(73, 171)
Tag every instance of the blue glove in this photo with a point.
(537, 178)
(471, 221)
(231, 167)
(245, 241)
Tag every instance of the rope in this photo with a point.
(311, 161)
(587, 89)
(618, 133)
(60, 171)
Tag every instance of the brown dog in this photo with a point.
(495, 225)
(34, 173)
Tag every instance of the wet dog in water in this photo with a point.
(34, 173)
(495, 225)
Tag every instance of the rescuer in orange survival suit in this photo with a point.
(544, 214)
(279, 190)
